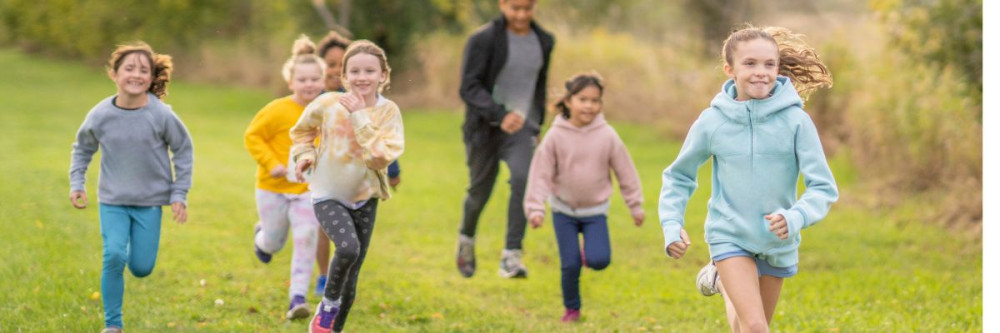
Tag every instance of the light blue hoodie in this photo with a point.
(759, 147)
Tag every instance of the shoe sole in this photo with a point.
(707, 289)
(298, 312)
(518, 274)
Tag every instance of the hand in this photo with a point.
(512, 122)
(279, 171)
(180, 212)
(353, 101)
(779, 226)
(394, 182)
(677, 249)
(78, 199)
(536, 221)
(301, 167)
(641, 216)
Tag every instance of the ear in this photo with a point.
(111, 74)
(728, 70)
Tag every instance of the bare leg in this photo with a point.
(739, 275)
(770, 289)
(731, 317)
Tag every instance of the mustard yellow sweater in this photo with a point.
(268, 142)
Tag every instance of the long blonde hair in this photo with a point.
(796, 59)
(162, 65)
(303, 52)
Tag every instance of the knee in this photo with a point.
(754, 325)
(347, 254)
(571, 266)
(518, 178)
(115, 259)
(598, 263)
(141, 270)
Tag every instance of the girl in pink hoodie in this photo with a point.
(572, 169)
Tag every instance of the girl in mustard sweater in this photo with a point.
(282, 204)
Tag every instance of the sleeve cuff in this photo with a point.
(794, 220)
(671, 233)
(176, 197)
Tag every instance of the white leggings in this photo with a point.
(278, 211)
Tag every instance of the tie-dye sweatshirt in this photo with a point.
(354, 148)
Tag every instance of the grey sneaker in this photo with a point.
(707, 280)
(465, 256)
(112, 329)
(511, 265)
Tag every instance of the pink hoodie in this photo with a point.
(574, 164)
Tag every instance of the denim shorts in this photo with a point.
(763, 268)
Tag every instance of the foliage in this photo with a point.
(946, 33)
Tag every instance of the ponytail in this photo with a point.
(303, 52)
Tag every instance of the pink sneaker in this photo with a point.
(572, 315)
(322, 321)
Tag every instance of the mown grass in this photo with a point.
(859, 271)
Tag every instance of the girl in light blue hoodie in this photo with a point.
(760, 140)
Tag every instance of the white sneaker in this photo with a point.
(707, 280)
(511, 265)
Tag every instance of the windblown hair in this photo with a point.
(161, 65)
(796, 59)
(303, 52)
(367, 47)
(574, 85)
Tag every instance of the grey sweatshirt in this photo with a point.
(135, 166)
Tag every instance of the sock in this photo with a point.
(329, 302)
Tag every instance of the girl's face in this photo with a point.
(364, 74)
(334, 64)
(307, 82)
(754, 68)
(584, 106)
(134, 75)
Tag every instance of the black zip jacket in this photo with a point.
(484, 56)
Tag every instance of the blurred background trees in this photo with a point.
(906, 106)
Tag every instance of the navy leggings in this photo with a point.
(596, 249)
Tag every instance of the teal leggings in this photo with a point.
(131, 237)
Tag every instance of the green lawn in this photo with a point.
(859, 270)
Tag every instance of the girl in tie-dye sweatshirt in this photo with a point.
(361, 133)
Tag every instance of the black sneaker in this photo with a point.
(465, 256)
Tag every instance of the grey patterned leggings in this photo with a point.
(350, 230)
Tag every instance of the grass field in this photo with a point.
(859, 270)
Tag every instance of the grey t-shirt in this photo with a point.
(515, 84)
(135, 166)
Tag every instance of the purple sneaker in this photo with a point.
(297, 308)
(264, 257)
(322, 322)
